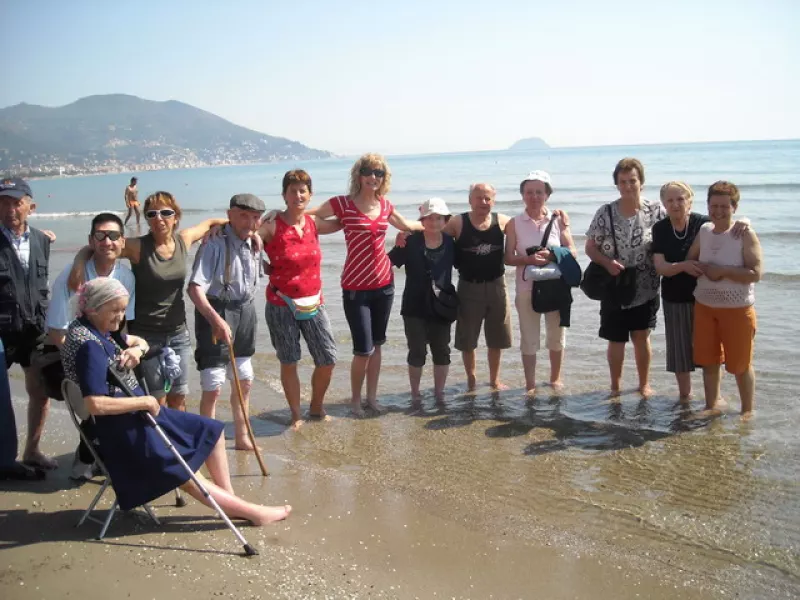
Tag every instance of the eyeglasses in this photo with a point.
(164, 212)
(111, 235)
(367, 171)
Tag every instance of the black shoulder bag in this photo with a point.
(599, 284)
(442, 300)
(550, 294)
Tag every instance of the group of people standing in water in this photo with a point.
(704, 267)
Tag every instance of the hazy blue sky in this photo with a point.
(426, 76)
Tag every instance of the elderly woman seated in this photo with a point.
(141, 466)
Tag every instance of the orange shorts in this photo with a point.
(724, 335)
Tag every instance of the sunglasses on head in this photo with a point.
(111, 235)
(164, 212)
(367, 171)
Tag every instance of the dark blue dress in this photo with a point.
(142, 468)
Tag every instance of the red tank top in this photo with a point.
(367, 267)
(295, 261)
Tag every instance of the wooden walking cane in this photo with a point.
(250, 435)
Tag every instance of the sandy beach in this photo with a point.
(391, 507)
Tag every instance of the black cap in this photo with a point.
(248, 202)
(16, 187)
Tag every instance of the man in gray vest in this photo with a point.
(24, 260)
(223, 286)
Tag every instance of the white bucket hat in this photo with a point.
(542, 176)
(433, 206)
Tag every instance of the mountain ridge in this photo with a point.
(121, 132)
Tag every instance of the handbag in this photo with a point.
(548, 293)
(442, 299)
(599, 284)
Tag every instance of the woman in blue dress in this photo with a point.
(142, 468)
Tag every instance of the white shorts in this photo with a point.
(214, 378)
(530, 327)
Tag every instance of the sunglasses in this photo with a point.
(164, 213)
(367, 171)
(111, 235)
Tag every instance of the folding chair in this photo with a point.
(77, 411)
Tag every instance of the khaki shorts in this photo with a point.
(530, 327)
(483, 303)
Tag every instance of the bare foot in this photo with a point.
(645, 390)
(416, 401)
(323, 416)
(439, 396)
(498, 386)
(747, 416)
(614, 393)
(531, 389)
(243, 444)
(296, 424)
(39, 460)
(377, 407)
(271, 514)
(557, 385)
(356, 410)
(472, 383)
(685, 400)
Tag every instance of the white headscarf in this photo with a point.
(97, 292)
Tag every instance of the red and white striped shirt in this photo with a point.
(366, 267)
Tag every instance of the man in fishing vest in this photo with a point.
(222, 286)
(24, 260)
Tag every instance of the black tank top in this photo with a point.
(479, 254)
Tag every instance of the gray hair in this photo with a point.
(488, 186)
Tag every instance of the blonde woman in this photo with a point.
(367, 280)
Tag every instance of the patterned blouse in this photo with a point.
(634, 237)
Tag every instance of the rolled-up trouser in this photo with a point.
(214, 354)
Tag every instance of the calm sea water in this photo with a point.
(722, 492)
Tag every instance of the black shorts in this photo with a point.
(617, 323)
(21, 346)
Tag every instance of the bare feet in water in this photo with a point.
(242, 444)
(296, 424)
(377, 407)
(271, 514)
(557, 385)
(355, 409)
(498, 386)
(472, 383)
(323, 417)
(645, 390)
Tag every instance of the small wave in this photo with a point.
(781, 277)
(76, 214)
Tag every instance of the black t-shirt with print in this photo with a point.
(680, 287)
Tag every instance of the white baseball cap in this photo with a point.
(433, 206)
(542, 176)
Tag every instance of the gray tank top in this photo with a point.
(159, 289)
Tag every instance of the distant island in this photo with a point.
(117, 132)
(531, 143)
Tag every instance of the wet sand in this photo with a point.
(401, 506)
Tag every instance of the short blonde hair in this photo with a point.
(686, 190)
(373, 161)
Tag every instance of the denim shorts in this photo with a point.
(368, 313)
(181, 344)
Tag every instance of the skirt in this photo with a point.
(678, 327)
(141, 466)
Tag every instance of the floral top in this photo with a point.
(634, 237)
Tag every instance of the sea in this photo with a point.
(715, 501)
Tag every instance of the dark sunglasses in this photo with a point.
(164, 212)
(111, 235)
(367, 171)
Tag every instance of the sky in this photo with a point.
(415, 76)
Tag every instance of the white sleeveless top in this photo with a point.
(529, 233)
(726, 251)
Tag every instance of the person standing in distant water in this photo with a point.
(291, 242)
(725, 318)
(633, 220)
(367, 278)
(132, 200)
(24, 296)
(222, 286)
